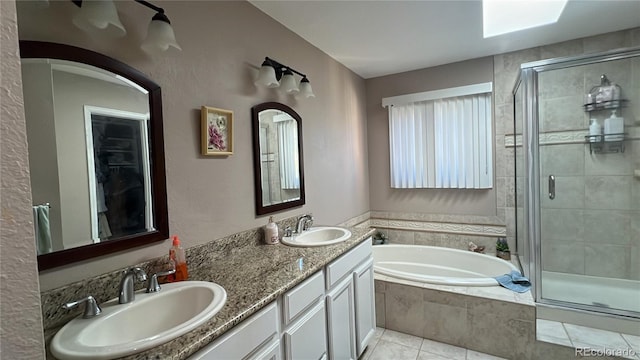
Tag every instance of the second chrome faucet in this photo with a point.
(304, 223)
(127, 288)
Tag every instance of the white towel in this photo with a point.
(42, 230)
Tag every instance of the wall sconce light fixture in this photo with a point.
(274, 74)
(102, 14)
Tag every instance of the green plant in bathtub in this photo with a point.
(379, 238)
(502, 249)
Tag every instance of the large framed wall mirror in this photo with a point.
(96, 159)
(277, 158)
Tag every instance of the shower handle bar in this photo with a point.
(552, 187)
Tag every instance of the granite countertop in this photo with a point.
(253, 277)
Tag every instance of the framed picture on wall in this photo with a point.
(217, 131)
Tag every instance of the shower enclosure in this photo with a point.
(578, 192)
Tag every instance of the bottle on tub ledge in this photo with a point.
(271, 232)
(178, 261)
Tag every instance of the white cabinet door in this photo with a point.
(244, 339)
(307, 337)
(340, 317)
(365, 305)
(272, 351)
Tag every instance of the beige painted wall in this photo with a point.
(223, 44)
(21, 335)
(437, 201)
(37, 87)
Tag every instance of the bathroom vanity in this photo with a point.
(283, 302)
(330, 314)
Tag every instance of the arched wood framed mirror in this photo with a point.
(277, 158)
(96, 153)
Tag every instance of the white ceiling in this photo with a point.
(375, 38)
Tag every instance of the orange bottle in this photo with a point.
(177, 257)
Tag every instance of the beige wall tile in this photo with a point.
(562, 224)
(380, 309)
(569, 193)
(560, 83)
(608, 192)
(403, 309)
(607, 41)
(563, 113)
(445, 323)
(401, 237)
(519, 334)
(562, 160)
(567, 257)
(444, 298)
(607, 227)
(565, 48)
(506, 309)
(608, 164)
(607, 261)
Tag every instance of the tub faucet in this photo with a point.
(304, 223)
(129, 276)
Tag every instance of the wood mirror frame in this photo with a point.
(261, 208)
(38, 49)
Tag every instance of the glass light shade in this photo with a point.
(305, 88)
(99, 14)
(289, 84)
(160, 35)
(267, 76)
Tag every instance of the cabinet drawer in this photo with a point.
(244, 339)
(304, 295)
(344, 265)
(307, 337)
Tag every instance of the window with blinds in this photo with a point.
(441, 139)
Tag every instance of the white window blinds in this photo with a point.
(444, 142)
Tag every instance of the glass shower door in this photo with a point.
(589, 203)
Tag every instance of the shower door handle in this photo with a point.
(552, 187)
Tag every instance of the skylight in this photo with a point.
(506, 16)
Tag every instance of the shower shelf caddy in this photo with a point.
(598, 143)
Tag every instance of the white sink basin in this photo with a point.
(148, 321)
(318, 236)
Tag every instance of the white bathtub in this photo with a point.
(439, 265)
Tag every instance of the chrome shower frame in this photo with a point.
(528, 78)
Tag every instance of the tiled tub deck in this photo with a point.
(468, 317)
(490, 320)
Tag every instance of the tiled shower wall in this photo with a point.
(592, 227)
(506, 70)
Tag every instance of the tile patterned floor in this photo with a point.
(389, 344)
(584, 337)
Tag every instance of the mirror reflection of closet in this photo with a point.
(121, 202)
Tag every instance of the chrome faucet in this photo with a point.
(304, 223)
(129, 276)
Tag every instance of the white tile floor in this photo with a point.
(584, 337)
(389, 344)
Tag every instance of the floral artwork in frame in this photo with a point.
(217, 131)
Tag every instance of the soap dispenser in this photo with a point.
(595, 131)
(614, 128)
(179, 260)
(271, 232)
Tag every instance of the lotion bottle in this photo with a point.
(613, 125)
(595, 131)
(177, 257)
(271, 232)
